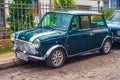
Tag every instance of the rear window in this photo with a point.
(97, 21)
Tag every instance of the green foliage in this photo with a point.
(20, 15)
(5, 51)
(64, 4)
(23, 1)
(107, 12)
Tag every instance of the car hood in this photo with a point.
(113, 24)
(39, 33)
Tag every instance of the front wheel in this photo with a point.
(106, 47)
(56, 58)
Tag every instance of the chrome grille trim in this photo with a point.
(29, 45)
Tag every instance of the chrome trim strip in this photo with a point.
(37, 58)
(116, 37)
(83, 29)
(54, 47)
(24, 41)
(84, 52)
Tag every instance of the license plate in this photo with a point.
(22, 56)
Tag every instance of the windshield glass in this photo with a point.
(56, 21)
(115, 16)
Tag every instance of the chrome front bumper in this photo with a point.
(24, 46)
(116, 39)
(27, 57)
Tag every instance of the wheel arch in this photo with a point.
(55, 47)
(107, 37)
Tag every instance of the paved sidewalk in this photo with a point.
(8, 60)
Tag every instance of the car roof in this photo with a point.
(77, 12)
(116, 10)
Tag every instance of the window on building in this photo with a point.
(113, 3)
(35, 7)
(106, 4)
(34, 2)
(118, 4)
(1, 13)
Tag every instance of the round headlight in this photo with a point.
(118, 33)
(13, 37)
(37, 43)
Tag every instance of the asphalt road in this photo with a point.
(90, 67)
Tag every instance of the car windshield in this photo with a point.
(115, 16)
(56, 21)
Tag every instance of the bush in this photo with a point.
(107, 12)
(64, 4)
(6, 44)
(20, 16)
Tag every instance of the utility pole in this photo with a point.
(98, 5)
(50, 5)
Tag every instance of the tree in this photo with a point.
(20, 15)
(64, 4)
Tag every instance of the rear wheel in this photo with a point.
(56, 58)
(106, 47)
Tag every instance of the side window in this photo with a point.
(74, 23)
(97, 22)
(84, 22)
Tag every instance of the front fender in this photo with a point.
(53, 48)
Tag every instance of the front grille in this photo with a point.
(23, 45)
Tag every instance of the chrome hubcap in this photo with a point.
(57, 57)
(107, 47)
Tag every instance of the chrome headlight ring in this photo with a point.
(12, 37)
(118, 32)
(36, 43)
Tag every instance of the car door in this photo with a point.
(99, 30)
(79, 38)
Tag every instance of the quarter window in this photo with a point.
(97, 22)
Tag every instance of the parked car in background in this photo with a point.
(113, 23)
(61, 35)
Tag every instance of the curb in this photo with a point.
(10, 63)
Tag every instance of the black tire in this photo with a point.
(106, 47)
(50, 61)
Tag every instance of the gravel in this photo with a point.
(90, 67)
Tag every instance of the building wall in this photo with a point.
(89, 2)
(111, 3)
(6, 10)
(44, 1)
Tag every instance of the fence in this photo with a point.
(20, 16)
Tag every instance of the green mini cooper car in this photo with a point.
(61, 35)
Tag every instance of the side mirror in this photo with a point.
(74, 29)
